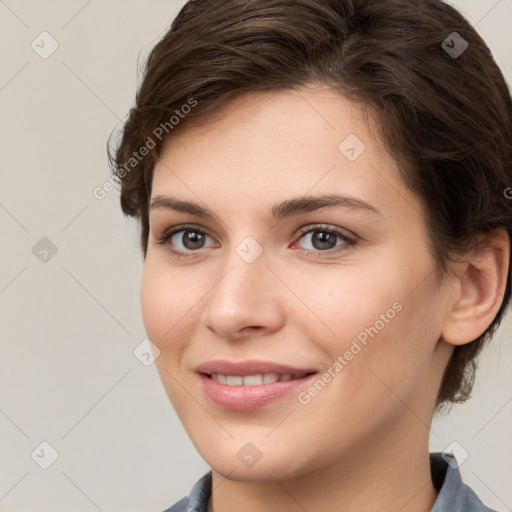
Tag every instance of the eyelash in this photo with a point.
(348, 241)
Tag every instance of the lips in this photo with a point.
(250, 367)
(250, 384)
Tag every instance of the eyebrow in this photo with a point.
(287, 208)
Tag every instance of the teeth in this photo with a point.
(270, 378)
(234, 380)
(254, 380)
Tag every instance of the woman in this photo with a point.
(321, 188)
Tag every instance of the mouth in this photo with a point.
(255, 391)
(249, 384)
(257, 379)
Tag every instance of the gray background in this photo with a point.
(70, 324)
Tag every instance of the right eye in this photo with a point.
(189, 237)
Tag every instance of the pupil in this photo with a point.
(192, 240)
(324, 238)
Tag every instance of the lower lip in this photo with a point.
(246, 398)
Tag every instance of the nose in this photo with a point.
(244, 300)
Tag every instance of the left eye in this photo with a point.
(324, 239)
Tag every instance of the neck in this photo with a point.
(390, 477)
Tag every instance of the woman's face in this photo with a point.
(346, 291)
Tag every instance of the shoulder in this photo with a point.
(454, 495)
(197, 500)
(180, 506)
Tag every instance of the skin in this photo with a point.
(362, 441)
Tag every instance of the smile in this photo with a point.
(254, 380)
(248, 392)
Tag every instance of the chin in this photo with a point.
(237, 465)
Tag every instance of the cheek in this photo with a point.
(152, 304)
(376, 320)
(164, 304)
(344, 302)
(397, 353)
(167, 317)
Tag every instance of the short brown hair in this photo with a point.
(446, 119)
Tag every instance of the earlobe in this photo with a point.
(480, 289)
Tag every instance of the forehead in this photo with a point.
(304, 114)
(263, 146)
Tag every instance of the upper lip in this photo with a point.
(248, 367)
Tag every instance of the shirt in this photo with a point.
(454, 495)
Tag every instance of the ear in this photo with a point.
(479, 289)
